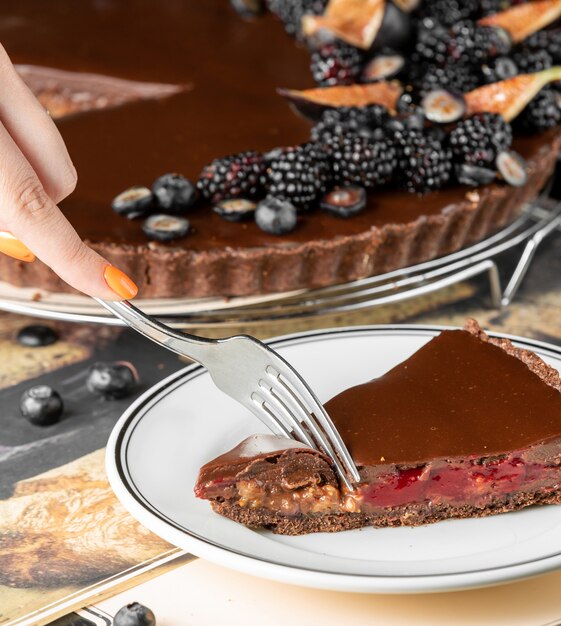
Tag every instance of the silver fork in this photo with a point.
(256, 376)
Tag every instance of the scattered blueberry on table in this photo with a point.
(112, 381)
(37, 336)
(41, 405)
(134, 614)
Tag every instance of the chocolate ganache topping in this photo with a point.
(458, 396)
(228, 71)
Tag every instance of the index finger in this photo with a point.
(35, 133)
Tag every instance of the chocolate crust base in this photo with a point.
(411, 515)
(162, 271)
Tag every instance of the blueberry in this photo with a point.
(166, 227)
(344, 201)
(235, 209)
(134, 202)
(395, 30)
(383, 67)
(407, 103)
(498, 69)
(474, 175)
(134, 614)
(442, 106)
(112, 380)
(37, 336)
(275, 216)
(41, 405)
(174, 193)
(249, 8)
(512, 168)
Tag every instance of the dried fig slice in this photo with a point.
(355, 21)
(523, 20)
(312, 102)
(407, 5)
(383, 66)
(509, 97)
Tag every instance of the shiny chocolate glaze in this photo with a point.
(230, 69)
(458, 396)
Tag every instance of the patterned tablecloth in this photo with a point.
(64, 537)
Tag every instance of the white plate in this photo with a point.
(159, 444)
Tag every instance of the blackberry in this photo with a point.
(335, 123)
(478, 139)
(498, 69)
(432, 42)
(475, 44)
(548, 40)
(542, 112)
(290, 12)
(321, 164)
(298, 174)
(528, 60)
(336, 63)
(459, 77)
(233, 176)
(488, 7)
(448, 12)
(423, 163)
(363, 161)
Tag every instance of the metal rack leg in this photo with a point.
(524, 263)
(494, 284)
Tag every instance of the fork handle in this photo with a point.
(190, 346)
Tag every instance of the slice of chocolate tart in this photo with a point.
(467, 426)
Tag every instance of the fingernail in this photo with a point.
(120, 283)
(15, 248)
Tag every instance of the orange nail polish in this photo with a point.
(120, 283)
(15, 248)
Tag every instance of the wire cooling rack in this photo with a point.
(537, 221)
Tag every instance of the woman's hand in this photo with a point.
(36, 173)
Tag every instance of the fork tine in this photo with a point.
(288, 413)
(327, 425)
(297, 394)
(264, 413)
(321, 441)
(294, 422)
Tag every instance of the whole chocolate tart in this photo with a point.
(468, 426)
(184, 83)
